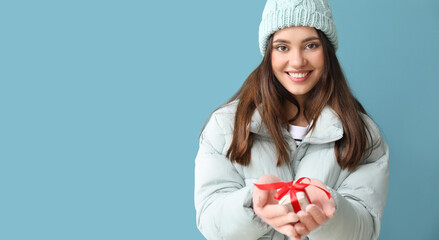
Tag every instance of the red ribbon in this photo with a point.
(293, 188)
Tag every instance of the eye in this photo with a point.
(312, 46)
(281, 48)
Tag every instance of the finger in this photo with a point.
(290, 218)
(274, 210)
(316, 213)
(320, 199)
(260, 198)
(288, 230)
(329, 208)
(301, 229)
(307, 220)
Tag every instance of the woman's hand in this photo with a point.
(269, 210)
(316, 213)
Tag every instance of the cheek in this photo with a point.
(319, 61)
(277, 63)
(277, 70)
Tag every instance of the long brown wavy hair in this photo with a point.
(263, 92)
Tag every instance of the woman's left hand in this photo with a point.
(316, 213)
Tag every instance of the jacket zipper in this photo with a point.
(295, 151)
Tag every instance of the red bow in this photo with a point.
(293, 188)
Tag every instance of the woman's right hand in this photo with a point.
(269, 210)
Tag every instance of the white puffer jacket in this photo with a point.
(223, 190)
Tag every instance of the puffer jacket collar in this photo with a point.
(327, 128)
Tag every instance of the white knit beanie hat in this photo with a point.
(280, 14)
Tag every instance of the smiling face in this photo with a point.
(297, 60)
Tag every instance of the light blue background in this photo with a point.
(102, 103)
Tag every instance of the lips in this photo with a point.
(298, 76)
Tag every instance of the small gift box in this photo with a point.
(301, 198)
(292, 194)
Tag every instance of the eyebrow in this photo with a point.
(303, 41)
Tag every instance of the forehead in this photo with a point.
(295, 33)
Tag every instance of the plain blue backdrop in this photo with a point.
(102, 103)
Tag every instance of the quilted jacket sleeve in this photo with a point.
(222, 199)
(360, 198)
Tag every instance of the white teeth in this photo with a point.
(298, 75)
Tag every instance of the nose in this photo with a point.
(297, 59)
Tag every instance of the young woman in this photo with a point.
(293, 117)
